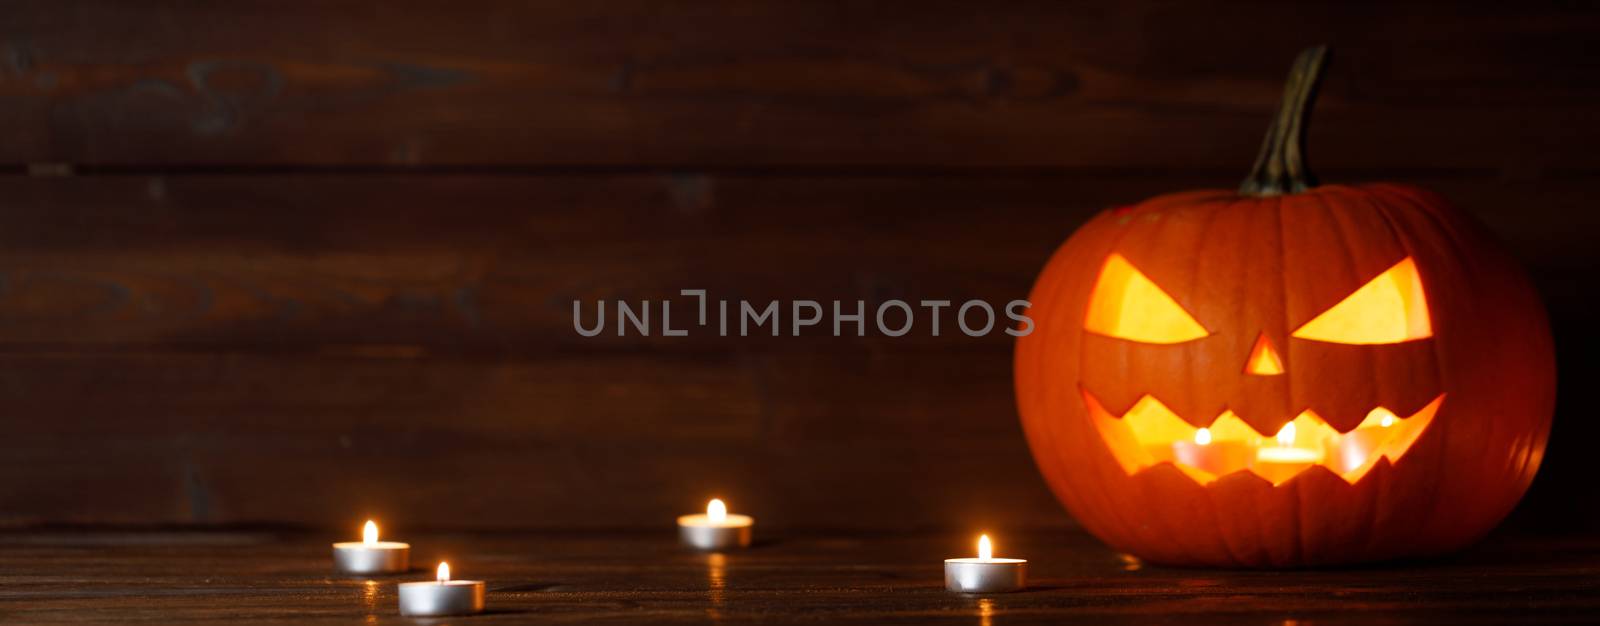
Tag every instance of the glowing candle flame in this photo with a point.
(444, 572)
(985, 549)
(1385, 417)
(716, 510)
(1286, 436)
(1202, 436)
(369, 534)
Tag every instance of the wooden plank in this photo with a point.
(312, 261)
(492, 264)
(739, 85)
(574, 442)
(241, 577)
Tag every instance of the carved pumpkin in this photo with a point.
(1286, 375)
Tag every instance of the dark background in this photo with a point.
(303, 263)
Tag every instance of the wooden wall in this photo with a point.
(302, 263)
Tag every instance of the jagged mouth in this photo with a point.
(1150, 434)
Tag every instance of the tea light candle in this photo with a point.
(985, 574)
(1218, 457)
(370, 556)
(1282, 462)
(717, 529)
(441, 597)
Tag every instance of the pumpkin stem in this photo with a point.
(1281, 166)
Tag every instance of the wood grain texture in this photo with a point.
(487, 264)
(263, 264)
(1119, 85)
(312, 348)
(263, 577)
(832, 440)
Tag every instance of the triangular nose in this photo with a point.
(1263, 359)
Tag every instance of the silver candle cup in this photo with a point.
(977, 575)
(378, 557)
(447, 597)
(704, 533)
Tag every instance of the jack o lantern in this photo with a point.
(1286, 375)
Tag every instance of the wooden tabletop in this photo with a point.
(263, 576)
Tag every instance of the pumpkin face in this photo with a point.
(1338, 375)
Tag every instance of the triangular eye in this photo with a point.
(1388, 309)
(1126, 305)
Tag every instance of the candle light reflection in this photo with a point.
(985, 612)
(369, 597)
(717, 583)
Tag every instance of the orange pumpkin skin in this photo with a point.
(1244, 266)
